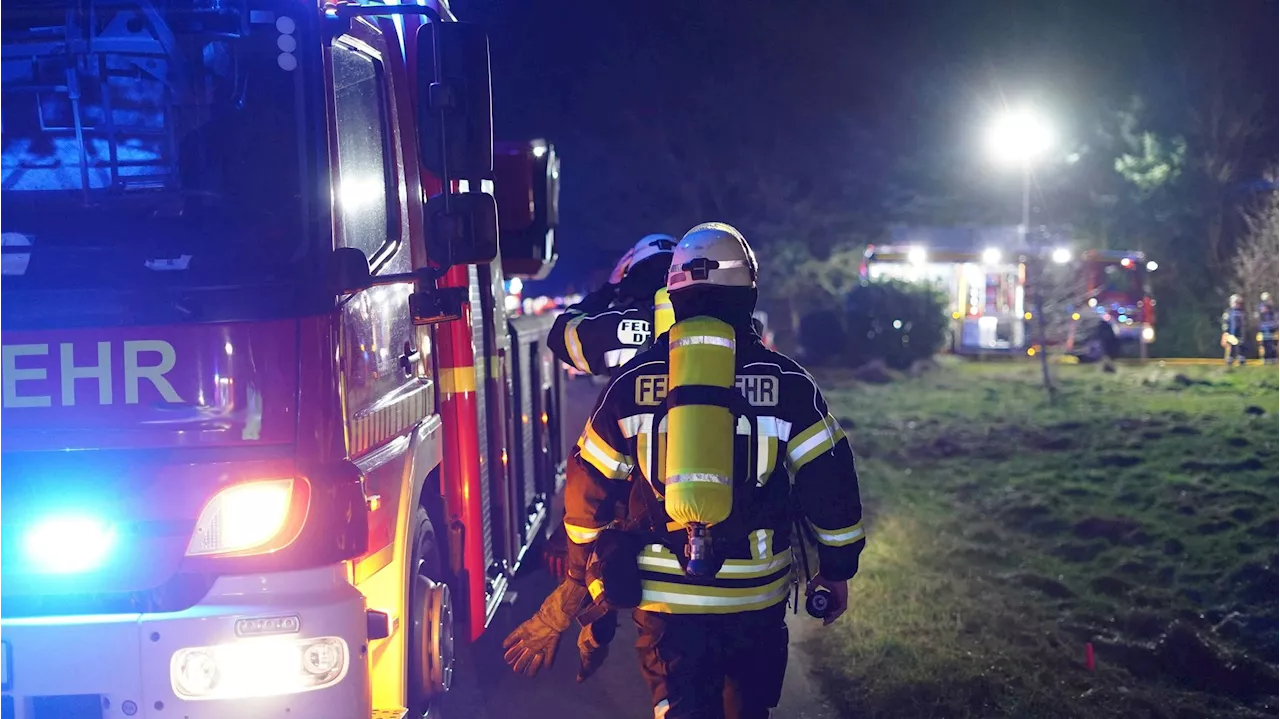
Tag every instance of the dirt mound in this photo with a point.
(1111, 586)
(1045, 585)
(1270, 528)
(1181, 655)
(1078, 552)
(1255, 633)
(922, 367)
(1216, 527)
(1244, 514)
(1051, 442)
(1249, 464)
(1254, 583)
(1113, 530)
(1120, 460)
(874, 373)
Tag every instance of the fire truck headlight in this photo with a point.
(67, 544)
(1148, 334)
(264, 666)
(243, 518)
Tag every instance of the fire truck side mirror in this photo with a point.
(455, 113)
(465, 233)
(348, 271)
(526, 184)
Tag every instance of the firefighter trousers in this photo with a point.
(1235, 353)
(713, 666)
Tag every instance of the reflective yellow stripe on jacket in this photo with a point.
(732, 590)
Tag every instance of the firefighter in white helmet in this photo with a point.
(611, 324)
(1268, 328)
(717, 475)
(597, 336)
(1233, 331)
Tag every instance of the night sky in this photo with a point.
(650, 103)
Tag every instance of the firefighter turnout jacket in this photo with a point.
(597, 337)
(789, 453)
(1233, 322)
(1268, 326)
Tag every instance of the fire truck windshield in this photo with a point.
(154, 143)
(1121, 283)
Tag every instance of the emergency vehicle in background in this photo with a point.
(984, 274)
(1117, 290)
(270, 436)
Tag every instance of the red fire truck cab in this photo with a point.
(271, 443)
(1118, 291)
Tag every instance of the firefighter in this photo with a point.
(1108, 344)
(1268, 328)
(705, 555)
(597, 336)
(1233, 331)
(611, 324)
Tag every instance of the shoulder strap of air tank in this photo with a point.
(651, 500)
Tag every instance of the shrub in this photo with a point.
(822, 337)
(895, 322)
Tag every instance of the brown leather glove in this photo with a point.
(532, 646)
(593, 644)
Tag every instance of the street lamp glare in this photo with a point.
(1019, 136)
(1062, 256)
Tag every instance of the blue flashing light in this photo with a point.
(68, 544)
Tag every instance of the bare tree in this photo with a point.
(1255, 268)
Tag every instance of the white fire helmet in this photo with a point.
(712, 253)
(1266, 297)
(647, 247)
(1235, 300)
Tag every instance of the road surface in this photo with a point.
(486, 688)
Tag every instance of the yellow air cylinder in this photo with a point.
(700, 432)
(663, 315)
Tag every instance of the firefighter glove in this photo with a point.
(532, 646)
(593, 644)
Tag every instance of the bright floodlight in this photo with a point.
(917, 255)
(991, 256)
(1019, 136)
(1062, 255)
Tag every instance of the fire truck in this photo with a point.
(272, 445)
(1117, 290)
(984, 274)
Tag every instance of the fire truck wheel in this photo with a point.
(431, 648)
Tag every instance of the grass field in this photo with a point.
(1137, 514)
